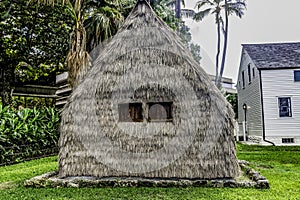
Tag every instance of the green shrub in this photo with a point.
(27, 133)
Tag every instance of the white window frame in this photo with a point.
(290, 110)
(296, 71)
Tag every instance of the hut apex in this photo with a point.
(146, 109)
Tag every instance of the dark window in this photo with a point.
(287, 140)
(249, 74)
(130, 112)
(297, 75)
(285, 109)
(243, 79)
(160, 112)
(253, 72)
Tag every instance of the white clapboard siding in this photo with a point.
(249, 95)
(280, 83)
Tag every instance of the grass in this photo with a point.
(281, 165)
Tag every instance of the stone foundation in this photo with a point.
(249, 179)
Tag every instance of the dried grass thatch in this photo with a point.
(147, 62)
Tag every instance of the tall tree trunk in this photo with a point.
(78, 58)
(6, 83)
(218, 46)
(224, 47)
(178, 9)
(3, 90)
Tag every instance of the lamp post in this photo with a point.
(245, 121)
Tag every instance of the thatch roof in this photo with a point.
(147, 62)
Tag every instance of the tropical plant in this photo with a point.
(220, 9)
(169, 3)
(164, 9)
(102, 20)
(27, 133)
(95, 21)
(233, 100)
(186, 36)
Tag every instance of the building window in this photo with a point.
(130, 112)
(243, 79)
(285, 109)
(249, 74)
(288, 140)
(297, 75)
(160, 111)
(253, 72)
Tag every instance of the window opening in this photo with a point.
(297, 76)
(160, 111)
(130, 112)
(243, 79)
(249, 74)
(288, 140)
(285, 109)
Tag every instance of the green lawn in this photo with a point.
(281, 165)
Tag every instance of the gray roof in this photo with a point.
(274, 56)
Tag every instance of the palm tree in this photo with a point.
(207, 7)
(95, 21)
(220, 9)
(237, 8)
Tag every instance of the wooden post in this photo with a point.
(245, 107)
(237, 131)
(244, 130)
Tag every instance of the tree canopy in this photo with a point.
(34, 39)
(34, 42)
(38, 37)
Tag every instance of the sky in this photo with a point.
(265, 21)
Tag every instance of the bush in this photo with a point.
(27, 133)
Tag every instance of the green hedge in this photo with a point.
(27, 133)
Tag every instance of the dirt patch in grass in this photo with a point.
(8, 185)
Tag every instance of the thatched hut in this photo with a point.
(145, 109)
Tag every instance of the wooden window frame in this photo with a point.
(169, 112)
(131, 112)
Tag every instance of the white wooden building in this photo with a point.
(269, 93)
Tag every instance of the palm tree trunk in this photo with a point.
(78, 58)
(218, 46)
(224, 47)
(178, 9)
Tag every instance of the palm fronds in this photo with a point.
(221, 9)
